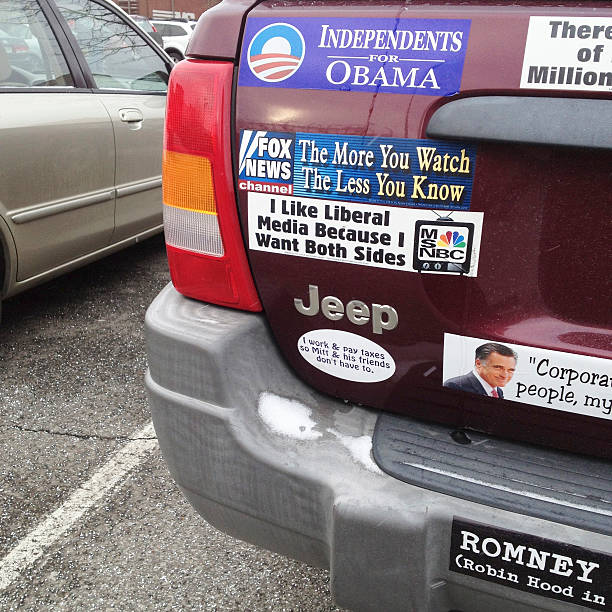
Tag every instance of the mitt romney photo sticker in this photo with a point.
(552, 379)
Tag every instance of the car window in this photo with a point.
(30, 55)
(169, 29)
(161, 27)
(117, 56)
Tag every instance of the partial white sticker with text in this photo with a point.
(552, 379)
(391, 237)
(346, 355)
(570, 53)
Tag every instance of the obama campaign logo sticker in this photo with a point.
(276, 52)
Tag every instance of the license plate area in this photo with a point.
(529, 563)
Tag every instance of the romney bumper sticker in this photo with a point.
(558, 570)
(413, 56)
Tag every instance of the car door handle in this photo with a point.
(130, 115)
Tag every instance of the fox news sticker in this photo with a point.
(419, 173)
(412, 56)
(581, 384)
(265, 161)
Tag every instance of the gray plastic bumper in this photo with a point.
(269, 460)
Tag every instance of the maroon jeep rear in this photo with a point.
(387, 345)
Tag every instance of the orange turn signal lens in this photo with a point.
(187, 182)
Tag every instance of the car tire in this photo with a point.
(176, 56)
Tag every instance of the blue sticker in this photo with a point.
(411, 56)
(415, 173)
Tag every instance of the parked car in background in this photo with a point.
(387, 345)
(81, 137)
(145, 23)
(21, 46)
(176, 35)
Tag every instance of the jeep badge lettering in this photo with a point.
(383, 317)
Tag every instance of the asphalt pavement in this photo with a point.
(90, 519)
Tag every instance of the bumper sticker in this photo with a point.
(346, 355)
(411, 56)
(379, 236)
(552, 379)
(529, 563)
(569, 53)
(418, 173)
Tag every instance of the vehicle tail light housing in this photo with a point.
(204, 243)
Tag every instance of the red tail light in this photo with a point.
(205, 248)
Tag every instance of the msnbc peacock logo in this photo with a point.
(276, 52)
(451, 240)
(443, 246)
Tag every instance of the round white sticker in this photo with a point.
(346, 355)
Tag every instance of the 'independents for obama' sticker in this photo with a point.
(410, 56)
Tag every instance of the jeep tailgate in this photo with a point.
(419, 180)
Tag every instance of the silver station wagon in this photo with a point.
(81, 136)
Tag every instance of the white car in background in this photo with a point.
(176, 35)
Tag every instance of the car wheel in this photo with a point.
(176, 56)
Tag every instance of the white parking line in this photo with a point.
(33, 546)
